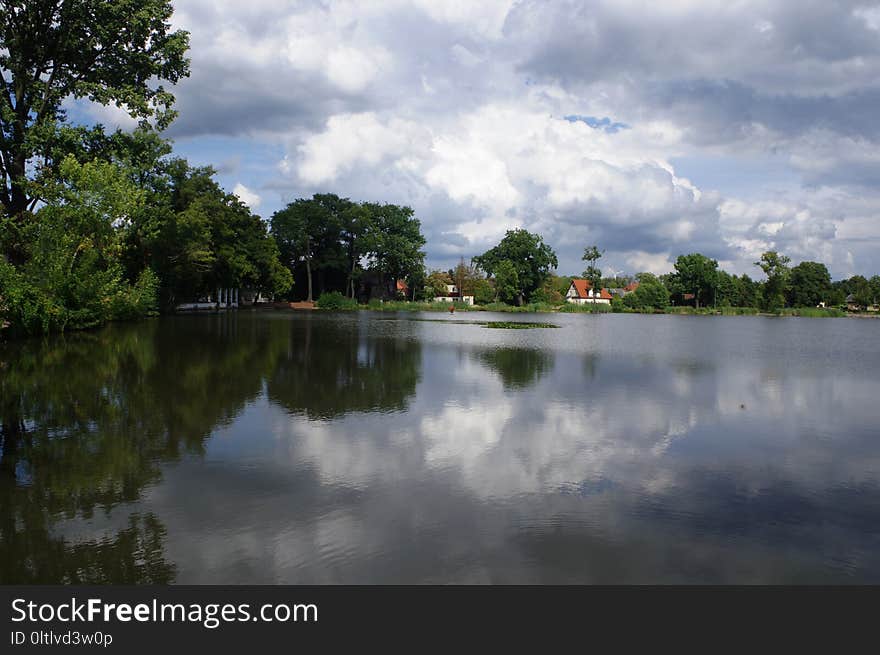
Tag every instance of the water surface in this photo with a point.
(285, 447)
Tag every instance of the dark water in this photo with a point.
(371, 448)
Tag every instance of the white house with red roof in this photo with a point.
(581, 292)
(453, 295)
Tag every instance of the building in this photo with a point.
(581, 292)
(402, 289)
(453, 295)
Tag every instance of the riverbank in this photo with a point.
(569, 308)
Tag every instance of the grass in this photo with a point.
(514, 325)
(813, 312)
(331, 301)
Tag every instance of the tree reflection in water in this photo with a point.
(87, 422)
(89, 419)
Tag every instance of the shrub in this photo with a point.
(586, 308)
(335, 301)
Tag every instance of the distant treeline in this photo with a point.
(519, 270)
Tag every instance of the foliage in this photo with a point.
(337, 238)
(109, 52)
(650, 294)
(586, 308)
(507, 285)
(775, 267)
(394, 241)
(808, 285)
(436, 283)
(72, 276)
(334, 300)
(696, 274)
(547, 295)
(528, 262)
(483, 291)
(592, 273)
(513, 325)
(197, 237)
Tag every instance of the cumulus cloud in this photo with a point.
(564, 118)
(248, 197)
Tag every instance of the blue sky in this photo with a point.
(649, 129)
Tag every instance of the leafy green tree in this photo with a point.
(650, 294)
(696, 274)
(748, 292)
(435, 284)
(529, 257)
(483, 290)
(109, 52)
(861, 290)
(507, 284)
(809, 284)
(299, 229)
(197, 238)
(775, 267)
(354, 222)
(73, 274)
(394, 243)
(592, 273)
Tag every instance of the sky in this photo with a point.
(650, 129)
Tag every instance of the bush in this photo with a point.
(335, 301)
(586, 308)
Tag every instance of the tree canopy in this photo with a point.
(528, 257)
(116, 52)
(697, 274)
(342, 240)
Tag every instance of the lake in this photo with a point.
(310, 447)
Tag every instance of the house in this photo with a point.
(854, 306)
(581, 292)
(453, 295)
(402, 288)
(629, 288)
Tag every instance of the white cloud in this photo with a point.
(456, 108)
(248, 197)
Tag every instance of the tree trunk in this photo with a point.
(351, 276)
(309, 276)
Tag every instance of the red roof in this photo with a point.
(632, 286)
(582, 288)
(401, 286)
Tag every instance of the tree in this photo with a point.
(298, 229)
(775, 267)
(650, 294)
(354, 220)
(592, 273)
(73, 275)
(697, 274)
(483, 291)
(394, 243)
(748, 292)
(108, 52)
(861, 290)
(809, 284)
(507, 284)
(435, 284)
(529, 257)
